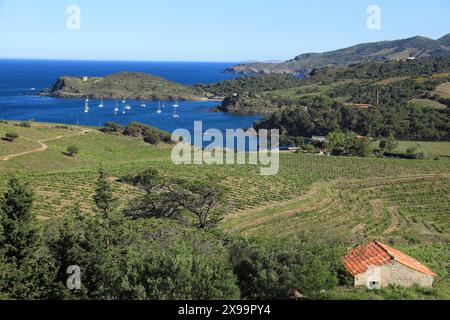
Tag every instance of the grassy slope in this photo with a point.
(426, 103)
(403, 202)
(433, 149)
(293, 94)
(29, 137)
(444, 90)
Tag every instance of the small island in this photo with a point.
(129, 85)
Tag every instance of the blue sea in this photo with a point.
(21, 80)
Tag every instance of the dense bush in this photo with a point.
(25, 124)
(282, 269)
(340, 144)
(149, 134)
(405, 123)
(72, 150)
(140, 259)
(112, 127)
(11, 136)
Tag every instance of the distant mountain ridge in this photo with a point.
(415, 47)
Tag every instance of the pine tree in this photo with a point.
(105, 203)
(22, 234)
(26, 260)
(103, 197)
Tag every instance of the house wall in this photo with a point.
(380, 274)
(393, 273)
(404, 276)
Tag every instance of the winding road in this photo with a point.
(43, 145)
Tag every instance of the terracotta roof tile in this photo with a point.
(360, 259)
(406, 260)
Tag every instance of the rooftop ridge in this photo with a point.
(375, 253)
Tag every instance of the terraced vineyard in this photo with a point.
(247, 189)
(371, 208)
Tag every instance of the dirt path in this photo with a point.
(43, 146)
(396, 221)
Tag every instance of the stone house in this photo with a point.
(376, 265)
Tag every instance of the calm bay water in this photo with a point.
(20, 80)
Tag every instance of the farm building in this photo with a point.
(376, 265)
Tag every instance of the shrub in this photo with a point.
(309, 148)
(11, 136)
(25, 124)
(133, 129)
(389, 144)
(411, 151)
(152, 139)
(112, 127)
(275, 270)
(72, 151)
(416, 153)
(421, 154)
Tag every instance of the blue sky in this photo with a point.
(207, 30)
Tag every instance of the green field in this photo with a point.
(403, 202)
(293, 94)
(426, 103)
(433, 149)
(444, 90)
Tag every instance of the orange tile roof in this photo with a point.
(406, 260)
(360, 259)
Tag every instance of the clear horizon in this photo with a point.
(206, 31)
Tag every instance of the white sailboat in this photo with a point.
(126, 106)
(101, 103)
(86, 105)
(159, 108)
(116, 109)
(175, 106)
(143, 105)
